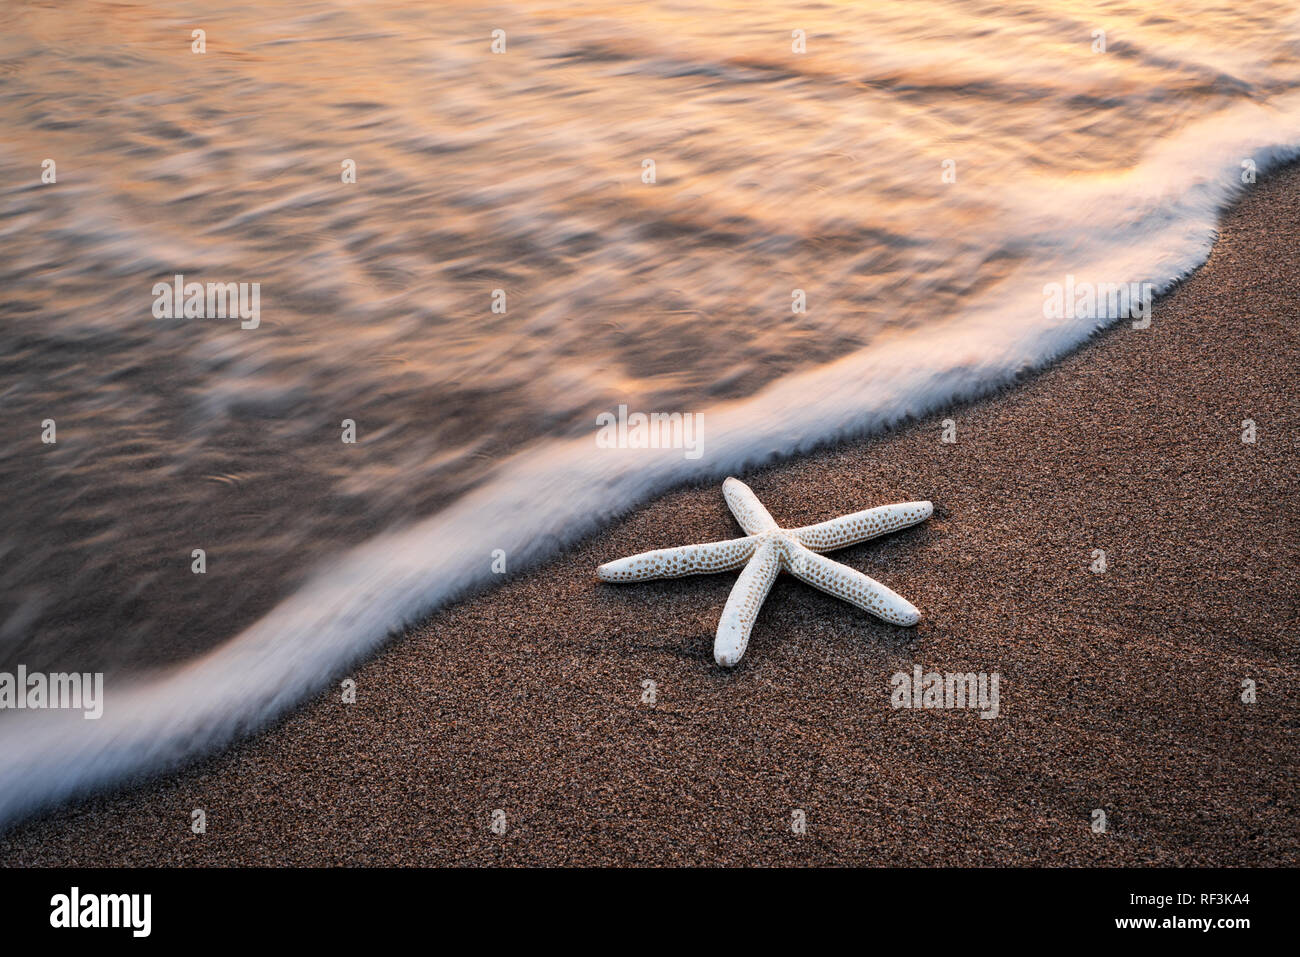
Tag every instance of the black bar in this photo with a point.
(212, 907)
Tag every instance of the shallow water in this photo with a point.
(775, 171)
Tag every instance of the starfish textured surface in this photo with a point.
(767, 550)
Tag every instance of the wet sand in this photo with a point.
(1119, 691)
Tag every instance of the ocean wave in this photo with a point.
(1155, 224)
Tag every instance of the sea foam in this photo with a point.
(1154, 224)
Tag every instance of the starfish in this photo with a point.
(766, 551)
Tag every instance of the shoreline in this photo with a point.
(1119, 690)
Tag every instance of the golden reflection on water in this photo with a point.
(775, 171)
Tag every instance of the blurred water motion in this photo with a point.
(775, 171)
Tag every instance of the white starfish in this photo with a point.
(767, 550)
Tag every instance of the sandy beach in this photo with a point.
(1120, 691)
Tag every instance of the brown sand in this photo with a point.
(1119, 691)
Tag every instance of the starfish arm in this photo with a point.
(744, 504)
(743, 604)
(858, 527)
(676, 562)
(852, 586)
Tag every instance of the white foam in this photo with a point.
(1161, 223)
